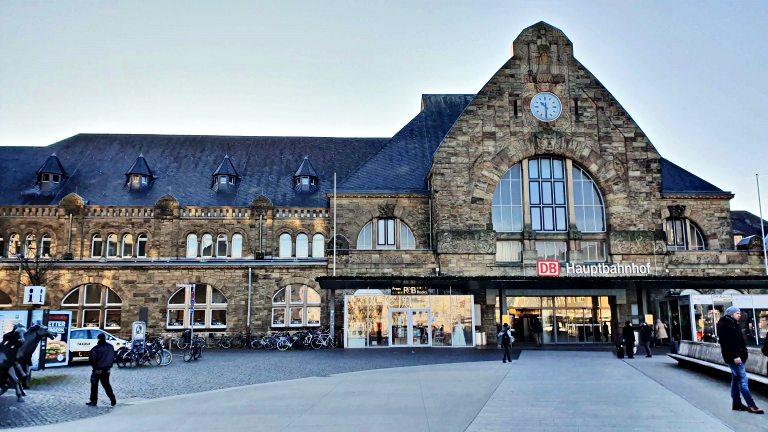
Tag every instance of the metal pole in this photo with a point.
(250, 289)
(762, 224)
(334, 224)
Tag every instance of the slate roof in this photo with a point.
(746, 224)
(140, 167)
(226, 168)
(52, 165)
(402, 165)
(676, 180)
(306, 169)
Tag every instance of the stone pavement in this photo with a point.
(541, 391)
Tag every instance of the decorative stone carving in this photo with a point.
(471, 242)
(260, 206)
(636, 243)
(676, 211)
(574, 233)
(387, 210)
(72, 204)
(549, 141)
(166, 207)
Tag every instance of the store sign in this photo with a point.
(57, 350)
(417, 290)
(552, 268)
(34, 295)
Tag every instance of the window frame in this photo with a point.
(94, 239)
(286, 307)
(75, 301)
(141, 243)
(124, 243)
(222, 238)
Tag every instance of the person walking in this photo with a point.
(101, 358)
(505, 336)
(628, 333)
(646, 335)
(735, 354)
(662, 336)
(538, 330)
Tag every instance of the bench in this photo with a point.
(707, 355)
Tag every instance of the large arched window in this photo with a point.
(30, 246)
(302, 246)
(210, 308)
(386, 233)
(126, 246)
(192, 246)
(587, 203)
(96, 246)
(237, 246)
(206, 246)
(94, 305)
(111, 245)
(296, 306)
(682, 234)
(318, 246)
(285, 246)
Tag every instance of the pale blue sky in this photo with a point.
(691, 73)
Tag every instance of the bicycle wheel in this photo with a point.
(155, 359)
(225, 343)
(317, 343)
(188, 354)
(181, 345)
(197, 353)
(237, 342)
(165, 357)
(283, 344)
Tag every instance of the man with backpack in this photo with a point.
(505, 335)
(101, 358)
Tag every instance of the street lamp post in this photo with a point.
(762, 224)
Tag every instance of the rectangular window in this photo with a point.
(141, 247)
(593, 251)
(313, 315)
(385, 233)
(46, 177)
(91, 317)
(218, 318)
(143, 180)
(112, 318)
(305, 180)
(92, 295)
(509, 251)
(552, 250)
(231, 180)
(56, 178)
(175, 318)
(278, 317)
(96, 247)
(297, 316)
(136, 179)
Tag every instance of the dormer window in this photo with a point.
(46, 177)
(306, 179)
(55, 178)
(139, 175)
(51, 173)
(225, 177)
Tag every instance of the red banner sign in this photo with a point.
(548, 268)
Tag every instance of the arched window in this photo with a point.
(318, 246)
(683, 235)
(45, 246)
(14, 245)
(210, 308)
(192, 246)
(587, 203)
(221, 246)
(507, 206)
(94, 305)
(126, 249)
(206, 246)
(5, 300)
(96, 246)
(30, 246)
(302, 246)
(390, 233)
(546, 186)
(237, 246)
(111, 245)
(285, 246)
(296, 306)
(141, 246)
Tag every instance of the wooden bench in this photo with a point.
(708, 355)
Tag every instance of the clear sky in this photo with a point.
(691, 73)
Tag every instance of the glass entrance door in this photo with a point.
(410, 327)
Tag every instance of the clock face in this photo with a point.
(546, 107)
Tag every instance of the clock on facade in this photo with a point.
(546, 107)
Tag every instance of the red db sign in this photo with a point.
(548, 268)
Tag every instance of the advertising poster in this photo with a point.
(9, 318)
(57, 350)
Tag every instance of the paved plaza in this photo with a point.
(429, 390)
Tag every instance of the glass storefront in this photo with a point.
(699, 314)
(380, 320)
(578, 319)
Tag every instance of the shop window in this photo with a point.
(221, 246)
(237, 246)
(551, 250)
(45, 246)
(14, 245)
(285, 246)
(141, 246)
(389, 234)
(296, 306)
(111, 245)
(593, 251)
(683, 235)
(94, 305)
(318, 246)
(30, 246)
(126, 249)
(206, 246)
(210, 308)
(192, 246)
(509, 251)
(96, 246)
(302, 246)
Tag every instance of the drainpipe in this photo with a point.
(250, 289)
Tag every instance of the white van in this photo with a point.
(81, 340)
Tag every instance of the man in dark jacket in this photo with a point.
(646, 334)
(734, 352)
(101, 358)
(628, 333)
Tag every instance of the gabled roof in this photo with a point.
(306, 169)
(677, 181)
(52, 165)
(182, 166)
(402, 165)
(226, 168)
(746, 224)
(140, 167)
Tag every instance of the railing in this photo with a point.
(285, 213)
(214, 213)
(148, 212)
(30, 211)
(98, 212)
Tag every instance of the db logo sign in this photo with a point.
(548, 268)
